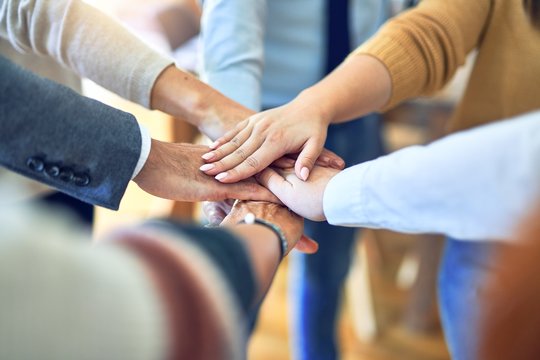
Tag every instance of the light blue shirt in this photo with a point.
(264, 53)
(473, 185)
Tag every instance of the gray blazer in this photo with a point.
(75, 144)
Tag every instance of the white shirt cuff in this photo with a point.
(146, 144)
(342, 199)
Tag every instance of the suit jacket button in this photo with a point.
(81, 179)
(66, 174)
(52, 170)
(35, 163)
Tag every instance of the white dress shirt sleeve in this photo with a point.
(85, 40)
(146, 145)
(232, 33)
(473, 185)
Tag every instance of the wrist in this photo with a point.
(317, 102)
(250, 219)
(181, 95)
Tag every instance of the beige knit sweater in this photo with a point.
(424, 47)
(66, 31)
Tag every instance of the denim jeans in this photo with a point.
(316, 280)
(464, 274)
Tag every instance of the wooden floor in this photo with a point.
(271, 342)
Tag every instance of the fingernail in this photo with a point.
(221, 176)
(208, 156)
(304, 173)
(214, 145)
(207, 167)
(337, 163)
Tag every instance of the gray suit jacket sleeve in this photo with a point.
(75, 144)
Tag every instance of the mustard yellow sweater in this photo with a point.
(424, 47)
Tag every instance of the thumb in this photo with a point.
(273, 181)
(307, 245)
(308, 157)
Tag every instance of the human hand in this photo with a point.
(296, 128)
(171, 172)
(304, 198)
(216, 211)
(291, 224)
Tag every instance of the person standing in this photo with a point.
(263, 54)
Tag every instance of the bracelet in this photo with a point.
(250, 219)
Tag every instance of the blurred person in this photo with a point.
(159, 290)
(262, 54)
(414, 54)
(512, 332)
(91, 151)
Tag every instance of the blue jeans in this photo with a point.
(316, 280)
(465, 271)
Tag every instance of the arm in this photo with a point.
(233, 48)
(90, 151)
(473, 185)
(413, 54)
(95, 46)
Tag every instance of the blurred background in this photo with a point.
(390, 307)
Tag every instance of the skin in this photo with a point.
(261, 242)
(303, 197)
(359, 86)
(171, 172)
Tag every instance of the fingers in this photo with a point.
(252, 165)
(251, 191)
(330, 159)
(274, 182)
(229, 135)
(230, 155)
(283, 163)
(307, 158)
(228, 147)
(213, 212)
(307, 245)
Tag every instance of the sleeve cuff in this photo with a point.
(342, 199)
(146, 144)
(144, 76)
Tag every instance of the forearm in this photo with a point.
(423, 48)
(473, 185)
(87, 41)
(233, 48)
(263, 247)
(185, 97)
(359, 86)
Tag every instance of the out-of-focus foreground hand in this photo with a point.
(290, 223)
(303, 197)
(172, 172)
(296, 128)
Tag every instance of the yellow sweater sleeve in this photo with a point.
(423, 47)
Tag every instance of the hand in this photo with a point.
(304, 198)
(291, 224)
(296, 128)
(171, 172)
(216, 211)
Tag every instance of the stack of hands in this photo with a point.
(276, 157)
(251, 163)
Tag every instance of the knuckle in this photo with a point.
(275, 136)
(252, 162)
(235, 141)
(240, 153)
